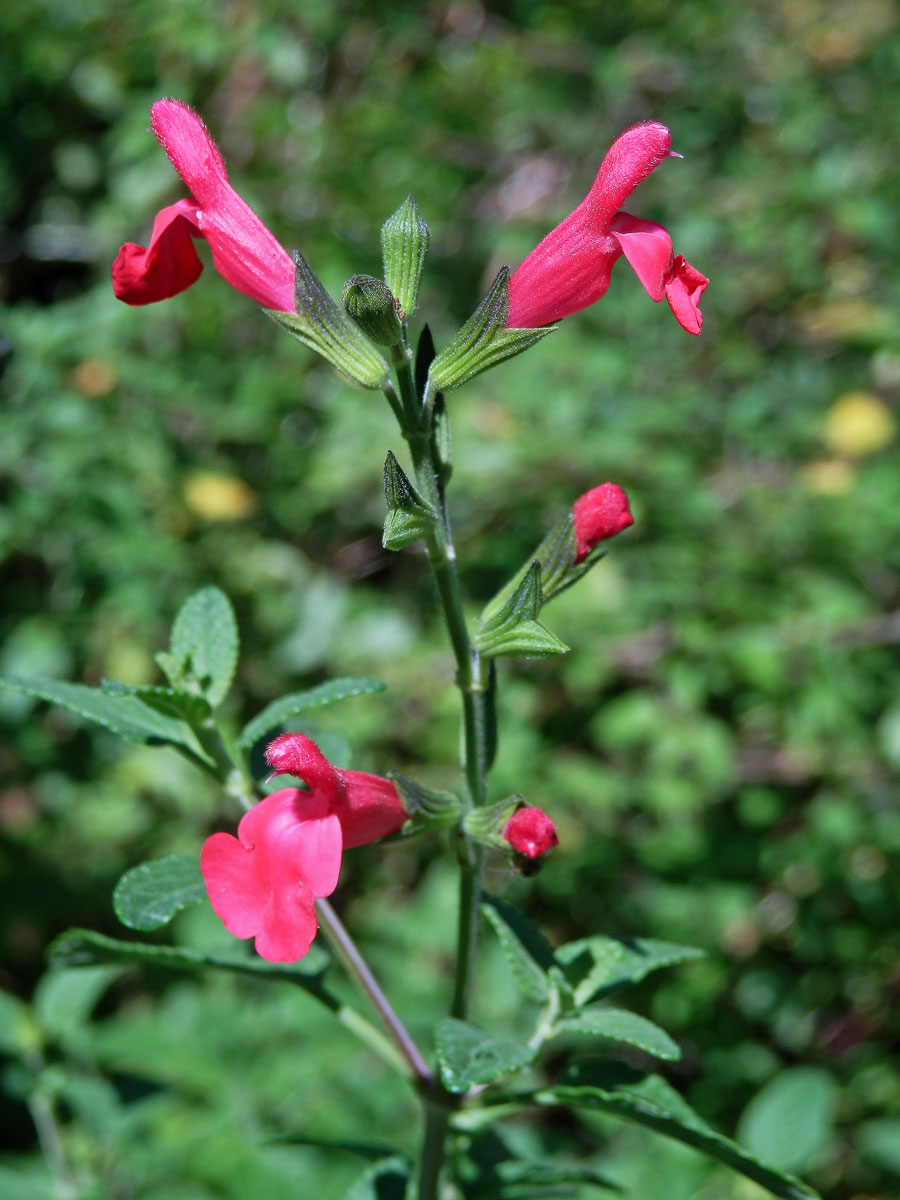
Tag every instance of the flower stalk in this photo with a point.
(358, 969)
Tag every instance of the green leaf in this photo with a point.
(279, 711)
(65, 998)
(124, 715)
(650, 1101)
(620, 1025)
(603, 964)
(528, 953)
(526, 1179)
(324, 327)
(880, 1141)
(387, 1179)
(184, 706)
(205, 639)
(17, 1028)
(483, 341)
(148, 896)
(790, 1121)
(468, 1056)
(28, 1180)
(83, 947)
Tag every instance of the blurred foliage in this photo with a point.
(722, 746)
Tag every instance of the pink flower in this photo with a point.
(264, 882)
(570, 268)
(530, 832)
(244, 252)
(599, 514)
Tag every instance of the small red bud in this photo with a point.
(530, 832)
(599, 514)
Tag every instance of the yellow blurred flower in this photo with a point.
(829, 476)
(858, 423)
(216, 497)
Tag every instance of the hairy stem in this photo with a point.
(358, 969)
(474, 681)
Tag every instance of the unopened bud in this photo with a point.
(599, 514)
(371, 305)
(530, 832)
(404, 244)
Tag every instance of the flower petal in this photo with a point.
(564, 273)
(683, 292)
(648, 249)
(369, 808)
(245, 253)
(598, 515)
(530, 832)
(628, 161)
(289, 925)
(237, 883)
(164, 268)
(298, 755)
(570, 268)
(310, 851)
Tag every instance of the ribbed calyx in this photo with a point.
(404, 244)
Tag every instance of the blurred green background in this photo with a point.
(721, 748)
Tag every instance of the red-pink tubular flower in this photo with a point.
(244, 252)
(571, 267)
(530, 832)
(599, 514)
(287, 852)
(367, 806)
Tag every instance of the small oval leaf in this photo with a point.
(279, 711)
(205, 637)
(789, 1122)
(468, 1055)
(148, 897)
(620, 1025)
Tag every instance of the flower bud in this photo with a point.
(530, 832)
(404, 244)
(599, 514)
(373, 308)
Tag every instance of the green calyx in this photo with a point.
(404, 244)
(320, 324)
(428, 809)
(483, 341)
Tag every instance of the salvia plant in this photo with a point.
(269, 875)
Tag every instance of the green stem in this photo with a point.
(468, 922)
(436, 1123)
(473, 678)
